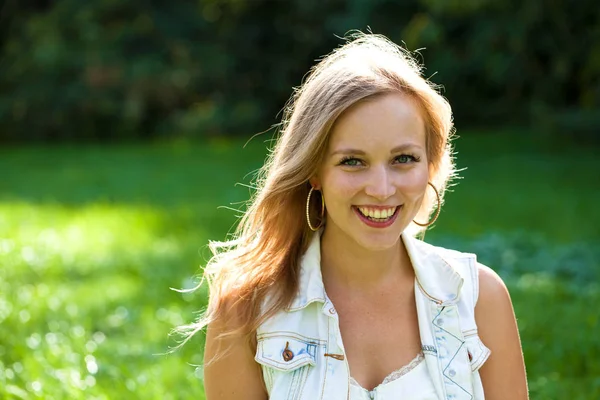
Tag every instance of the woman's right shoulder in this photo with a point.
(230, 371)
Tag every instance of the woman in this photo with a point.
(325, 293)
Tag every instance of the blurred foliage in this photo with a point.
(92, 237)
(124, 69)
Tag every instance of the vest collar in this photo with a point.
(435, 275)
(311, 286)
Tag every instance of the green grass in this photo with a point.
(513, 181)
(93, 237)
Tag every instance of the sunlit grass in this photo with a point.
(92, 239)
(85, 305)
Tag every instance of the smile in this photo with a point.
(377, 217)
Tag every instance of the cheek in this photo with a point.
(414, 183)
(339, 188)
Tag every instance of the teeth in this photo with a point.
(377, 213)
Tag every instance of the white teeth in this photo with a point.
(377, 213)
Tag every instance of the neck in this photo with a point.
(345, 264)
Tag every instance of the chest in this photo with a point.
(303, 357)
(380, 336)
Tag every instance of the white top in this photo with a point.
(411, 382)
(302, 355)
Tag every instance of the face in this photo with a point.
(375, 172)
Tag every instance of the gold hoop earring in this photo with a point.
(438, 209)
(314, 228)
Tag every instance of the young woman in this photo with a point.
(325, 293)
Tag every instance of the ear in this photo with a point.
(315, 182)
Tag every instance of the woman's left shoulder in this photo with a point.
(493, 292)
(494, 313)
(503, 374)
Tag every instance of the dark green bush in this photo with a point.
(124, 69)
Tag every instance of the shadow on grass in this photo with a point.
(559, 326)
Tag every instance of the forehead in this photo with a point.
(384, 121)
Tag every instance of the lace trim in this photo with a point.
(397, 374)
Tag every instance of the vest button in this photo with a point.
(288, 355)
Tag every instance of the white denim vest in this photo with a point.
(301, 352)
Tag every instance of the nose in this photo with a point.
(380, 184)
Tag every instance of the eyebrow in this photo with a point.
(396, 149)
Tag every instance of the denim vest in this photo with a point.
(300, 349)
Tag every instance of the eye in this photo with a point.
(351, 162)
(406, 158)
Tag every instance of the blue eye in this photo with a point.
(406, 158)
(351, 162)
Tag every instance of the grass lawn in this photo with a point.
(92, 238)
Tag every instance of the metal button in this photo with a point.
(451, 373)
(287, 354)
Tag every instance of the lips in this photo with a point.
(377, 217)
(376, 213)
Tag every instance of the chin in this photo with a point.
(379, 242)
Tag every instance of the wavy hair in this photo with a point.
(256, 274)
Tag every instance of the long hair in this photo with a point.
(255, 275)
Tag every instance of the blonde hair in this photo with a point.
(256, 274)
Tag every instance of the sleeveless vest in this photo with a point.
(302, 355)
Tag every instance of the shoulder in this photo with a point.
(488, 292)
(227, 330)
(503, 375)
(490, 286)
(493, 292)
(494, 312)
(230, 372)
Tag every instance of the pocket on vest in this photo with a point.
(285, 361)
